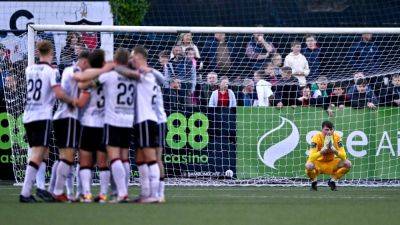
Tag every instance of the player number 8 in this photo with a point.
(197, 137)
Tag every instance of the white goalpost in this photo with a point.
(250, 145)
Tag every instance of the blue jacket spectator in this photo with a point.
(185, 71)
(166, 67)
(258, 50)
(218, 53)
(390, 96)
(313, 55)
(362, 98)
(353, 87)
(365, 54)
(246, 96)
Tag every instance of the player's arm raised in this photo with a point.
(127, 72)
(93, 73)
(83, 85)
(159, 78)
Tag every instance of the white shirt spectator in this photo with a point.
(214, 99)
(299, 64)
(264, 91)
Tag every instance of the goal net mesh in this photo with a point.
(218, 137)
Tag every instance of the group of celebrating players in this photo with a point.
(102, 108)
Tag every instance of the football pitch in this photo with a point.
(218, 205)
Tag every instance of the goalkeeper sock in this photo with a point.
(118, 172)
(127, 168)
(41, 176)
(144, 180)
(104, 180)
(30, 174)
(85, 175)
(63, 170)
(312, 174)
(340, 172)
(53, 176)
(154, 178)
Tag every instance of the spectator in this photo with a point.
(258, 50)
(246, 96)
(305, 96)
(207, 88)
(271, 75)
(286, 89)
(184, 69)
(320, 96)
(71, 50)
(362, 98)
(187, 70)
(353, 87)
(313, 55)
(338, 97)
(322, 87)
(177, 53)
(175, 97)
(185, 41)
(218, 53)
(166, 67)
(390, 96)
(263, 88)
(277, 62)
(298, 63)
(364, 54)
(223, 97)
(5, 68)
(191, 56)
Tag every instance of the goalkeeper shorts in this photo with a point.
(328, 167)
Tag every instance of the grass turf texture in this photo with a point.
(218, 205)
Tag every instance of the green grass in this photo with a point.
(219, 205)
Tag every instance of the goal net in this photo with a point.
(220, 131)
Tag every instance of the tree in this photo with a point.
(129, 12)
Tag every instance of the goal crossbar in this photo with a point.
(33, 28)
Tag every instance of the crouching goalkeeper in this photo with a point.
(327, 156)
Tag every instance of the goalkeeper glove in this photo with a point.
(328, 141)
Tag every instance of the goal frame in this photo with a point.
(34, 28)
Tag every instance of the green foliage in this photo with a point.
(129, 12)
